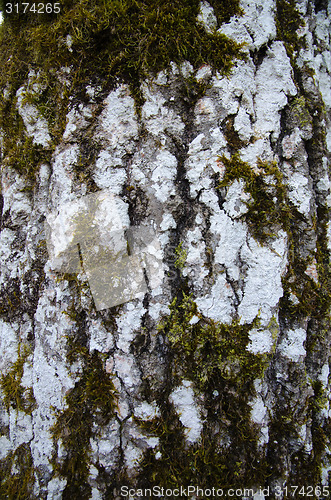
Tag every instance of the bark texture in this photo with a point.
(217, 373)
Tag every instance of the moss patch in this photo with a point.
(181, 255)
(225, 10)
(205, 464)
(91, 402)
(300, 112)
(100, 43)
(207, 350)
(17, 474)
(128, 38)
(288, 21)
(268, 210)
(15, 395)
(214, 357)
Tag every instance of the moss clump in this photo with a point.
(124, 40)
(181, 254)
(300, 111)
(225, 10)
(19, 150)
(234, 143)
(288, 21)
(26, 157)
(15, 395)
(311, 299)
(205, 463)
(99, 43)
(127, 38)
(91, 401)
(303, 296)
(214, 357)
(17, 474)
(206, 350)
(268, 210)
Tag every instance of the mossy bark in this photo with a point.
(218, 377)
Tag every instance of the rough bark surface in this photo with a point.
(219, 375)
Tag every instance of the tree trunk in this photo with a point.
(165, 280)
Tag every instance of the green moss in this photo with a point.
(300, 111)
(26, 157)
(112, 42)
(288, 21)
(206, 350)
(128, 38)
(311, 299)
(268, 209)
(91, 401)
(320, 399)
(225, 10)
(17, 475)
(234, 143)
(206, 463)
(15, 395)
(181, 254)
(214, 357)
(124, 39)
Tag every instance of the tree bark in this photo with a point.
(165, 239)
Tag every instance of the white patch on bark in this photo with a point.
(292, 345)
(189, 415)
